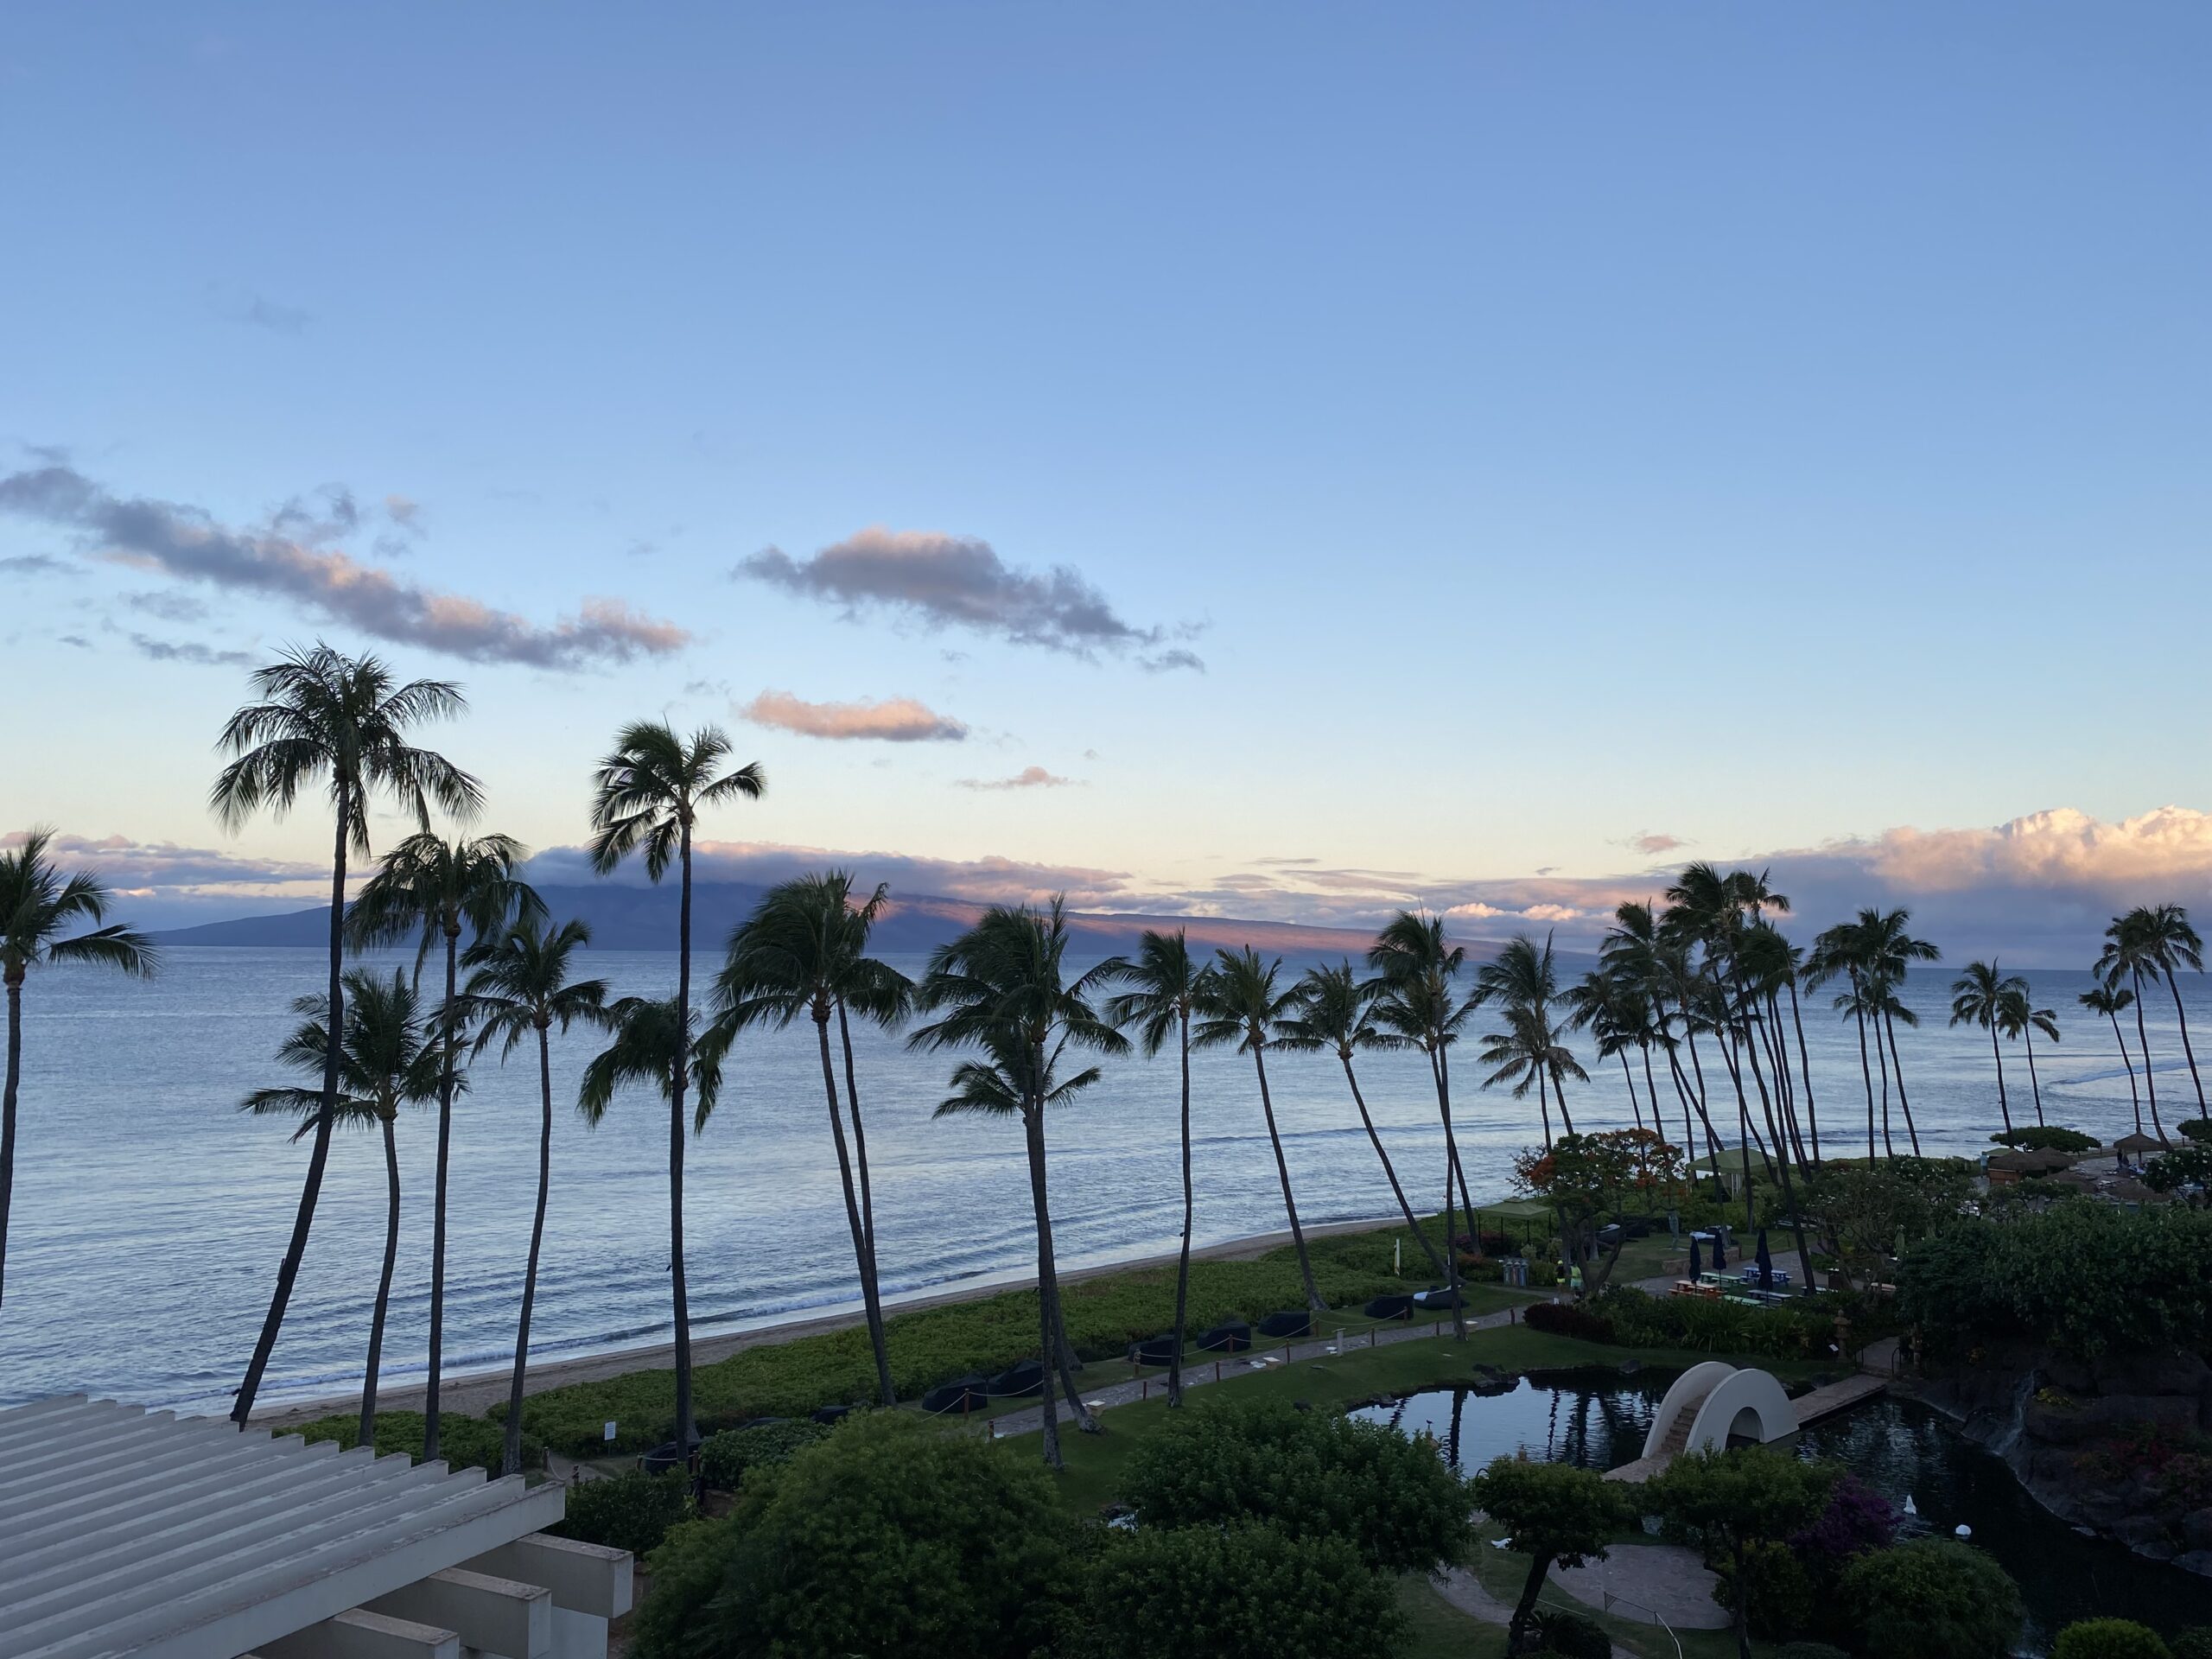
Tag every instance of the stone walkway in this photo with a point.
(1648, 1584)
(1464, 1590)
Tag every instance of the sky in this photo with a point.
(1286, 462)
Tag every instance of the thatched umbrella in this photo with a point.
(2136, 1142)
(2039, 1161)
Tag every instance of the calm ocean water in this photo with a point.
(150, 1214)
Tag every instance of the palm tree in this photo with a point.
(432, 886)
(323, 717)
(1890, 949)
(804, 950)
(1528, 1053)
(1332, 1011)
(653, 1042)
(1240, 1007)
(1658, 968)
(2129, 953)
(1524, 978)
(2165, 939)
(1604, 1004)
(385, 1060)
(2018, 1017)
(647, 796)
(2110, 1000)
(1416, 975)
(1164, 985)
(1841, 950)
(1003, 987)
(1978, 998)
(518, 984)
(36, 904)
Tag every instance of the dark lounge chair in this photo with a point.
(1232, 1337)
(1390, 1308)
(1155, 1353)
(1436, 1299)
(664, 1457)
(828, 1414)
(963, 1394)
(1296, 1322)
(1017, 1382)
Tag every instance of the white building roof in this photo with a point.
(123, 1531)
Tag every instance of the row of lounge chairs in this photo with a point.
(974, 1391)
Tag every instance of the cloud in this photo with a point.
(288, 559)
(894, 720)
(943, 580)
(162, 868)
(259, 311)
(1027, 778)
(31, 564)
(187, 650)
(1167, 661)
(170, 608)
(989, 881)
(1653, 841)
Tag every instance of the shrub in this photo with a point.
(2046, 1137)
(1242, 1592)
(2109, 1638)
(1782, 1600)
(1572, 1636)
(888, 1536)
(631, 1511)
(1809, 1651)
(1729, 1505)
(1564, 1319)
(1934, 1598)
(464, 1442)
(2195, 1641)
(724, 1458)
(2197, 1128)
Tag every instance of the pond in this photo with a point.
(1598, 1419)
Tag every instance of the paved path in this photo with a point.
(1649, 1584)
(1203, 1373)
(1464, 1590)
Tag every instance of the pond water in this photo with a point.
(1598, 1419)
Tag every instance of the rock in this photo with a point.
(2196, 1529)
(2143, 1534)
(2108, 1414)
(2175, 1373)
(2197, 1560)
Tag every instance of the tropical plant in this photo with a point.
(519, 987)
(1239, 1007)
(1003, 988)
(1240, 1591)
(384, 1059)
(38, 904)
(1332, 1012)
(1890, 950)
(1725, 1504)
(1164, 985)
(1552, 1513)
(2111, 1001)
(1978, 998)
(1524, 980)
(2109, 1638)
(2017, 1018)
(434, 888)
(2162, 938)
(1611, 1009)
(1934, 1598)
(647, 796)
(632, 1510)
(323, 717)
(804, 951)
(1590, 1179)
(2130, 954)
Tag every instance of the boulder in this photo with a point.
(2196, 1529)
(2197, 1560)
(2174, 1373)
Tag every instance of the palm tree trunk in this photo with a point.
(1289, 1203)
(1396, 1191)
(1896, 1065)
(2002, 1105)
(1781, 1161)
(871, 1285)
(319, 1155)
(853, 1216)
(7, 1114)
(1183, 1254)
(679, 1300)
(1559, 1093)
(2149, 1078)
(438, 1207)
(1882, 1063)
(1805, 1067)
(511, 1462)
(1047, 1311)
(1866, 1067)
(1544, 1105)
(368, 1428)
(2174, 985)
(1439, 1069)
(2133, 1093)
(2035, 1083)
(1628, 1077)
(1059, 1351)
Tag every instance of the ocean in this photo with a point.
(150, 1214)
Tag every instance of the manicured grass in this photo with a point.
(1502, 1573)
(1441, 1630)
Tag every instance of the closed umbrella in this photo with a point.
(1720, 1255)
(1766, 1263)
(1697, 1264)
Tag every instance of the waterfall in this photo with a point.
(2006, 1438)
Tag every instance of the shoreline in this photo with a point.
(473, 1392)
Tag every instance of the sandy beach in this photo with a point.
(478, 1391)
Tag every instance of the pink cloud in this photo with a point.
(893, 720)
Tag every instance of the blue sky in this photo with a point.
(1554, 430)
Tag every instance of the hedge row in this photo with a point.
(464, 1442)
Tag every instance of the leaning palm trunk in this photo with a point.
(1882, 1064)
(2127, 1060)
(861, 1253)
(1183, 1252)
(2150, 1077)
(368, 1428)
(1048, 1310)
(1439, 1068)
(2003, 1106)
(871, 1286)
(1544, 1106)
(1628, 1077)
(1805, 1069)
(1289, 1202)
(287, 1271)
(2035, 1083)
(438, 1208)
(8, 1115)
(1559, 1093)
(2174, 985)
(1390, 1173)
(1897, 1066)
(511, 1462)
(1788, 1194)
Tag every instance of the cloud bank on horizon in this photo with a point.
(2037, 890)
(293, 556)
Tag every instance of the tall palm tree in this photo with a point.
(519, 986)
(647, 797)
(1528, 1053)
(1164, 984)
(1003, 987)
(1841, 950)
(1889, 949)
(2111, 1000)
(804, 950)
(1978, 998)
(1417, 998)
(433, 888)
(1332, 1011)
(1523, 978)
(2129, 954)
(37, 905)
(321, 717)
(1239, 1007)
(654, 1042)
(1633, 949)
(2166, 940)
(385, 1060)
(1603, 1004)
(2018, 1017)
